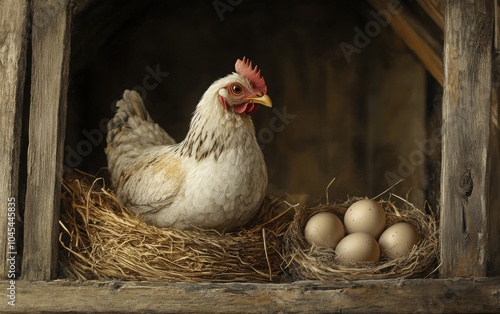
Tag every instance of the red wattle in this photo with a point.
(241, 108)
(247, 108)
(251, 109)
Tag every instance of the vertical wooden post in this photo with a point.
(51, 39)
(466, 134)
(494, 265)
(494, 206)
(13, 22)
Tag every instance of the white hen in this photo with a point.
(215, 178)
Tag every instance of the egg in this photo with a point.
(365, 216)
(324, 229)
(398, 239)
(358, 247)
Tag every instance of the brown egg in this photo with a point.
(365, 216)
(324, 229)
(398, 239)
(358, 247)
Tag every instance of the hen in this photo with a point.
(215, 178)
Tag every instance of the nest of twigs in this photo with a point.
(100, 239)
(317, 263)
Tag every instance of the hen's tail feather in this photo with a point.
(133, 98)
(133, 127)
(130, 105)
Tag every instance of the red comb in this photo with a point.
(244, 68)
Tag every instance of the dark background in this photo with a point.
(356, 120)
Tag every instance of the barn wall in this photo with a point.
(357, 119)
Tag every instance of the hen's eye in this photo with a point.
(236, 89)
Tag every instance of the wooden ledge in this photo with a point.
(387, 296)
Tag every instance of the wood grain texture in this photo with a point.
(51, 22)
(424, 44)
(375, 296)
(13, 20)
(466, 135)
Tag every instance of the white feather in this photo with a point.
(169, 185)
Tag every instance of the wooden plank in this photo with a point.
(51, 22)
(373, 296)
(427, 48)
(431, 7)
(466, 134)
(494, 260)
(13, 21)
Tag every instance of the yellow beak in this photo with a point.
(263, 100)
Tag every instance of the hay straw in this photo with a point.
(100, 239)
(316, 263)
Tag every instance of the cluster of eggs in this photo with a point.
(364, 223)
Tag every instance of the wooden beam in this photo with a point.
(434, 11)
(13, 22)
(425, 46)
(371, 296)
(466, 135)
(51, 23)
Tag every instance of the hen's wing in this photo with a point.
(144, 170)
(152, 181)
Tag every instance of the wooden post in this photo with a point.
(494, 217)
(51, 31)
(13, 21)
(466, 135)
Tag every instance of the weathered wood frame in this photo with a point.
(373, 296)
(49, 83)
(468, 215)
(466, 132)
(12, 75)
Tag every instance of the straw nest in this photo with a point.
(100, 239)
(315, 263)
